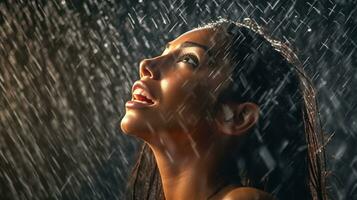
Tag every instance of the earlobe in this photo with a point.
(237, 118)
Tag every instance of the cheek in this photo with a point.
(173, 88)
(184, 99)
(174, 94)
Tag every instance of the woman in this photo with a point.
(225, 112)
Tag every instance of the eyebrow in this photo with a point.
(192, 44)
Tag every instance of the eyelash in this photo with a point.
(191, 56)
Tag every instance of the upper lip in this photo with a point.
(140, 84)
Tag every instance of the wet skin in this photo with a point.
(189, 147)
(178, 82)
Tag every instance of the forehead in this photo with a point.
(203, 36)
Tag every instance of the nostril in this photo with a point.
(146, 69)
(145, 72)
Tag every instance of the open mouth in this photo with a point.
(141, 96)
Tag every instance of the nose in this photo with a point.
(149, 69)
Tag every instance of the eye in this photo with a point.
(190, 59)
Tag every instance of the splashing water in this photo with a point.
(67, 69)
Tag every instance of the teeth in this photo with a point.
(139, 91)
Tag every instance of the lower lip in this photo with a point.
(136, 104)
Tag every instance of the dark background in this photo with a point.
(66, 70)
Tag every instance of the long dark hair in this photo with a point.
(284, 154)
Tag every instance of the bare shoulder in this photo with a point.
(247, 193)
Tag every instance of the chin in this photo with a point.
(124, 125)
(132, 125)
(128, 124)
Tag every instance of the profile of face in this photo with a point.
(178, 89)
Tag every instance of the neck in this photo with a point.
(189, 170)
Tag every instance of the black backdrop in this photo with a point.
(66, 69)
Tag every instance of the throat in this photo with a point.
(196, 182)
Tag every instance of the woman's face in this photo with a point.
(179, 87)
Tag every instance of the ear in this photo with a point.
(237, 118)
